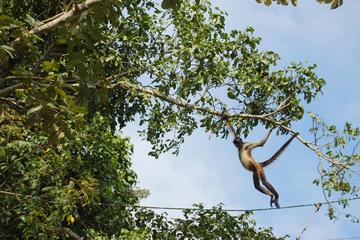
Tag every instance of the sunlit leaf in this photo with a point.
(34, 109)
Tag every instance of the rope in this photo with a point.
(344, 238)
(250, 210)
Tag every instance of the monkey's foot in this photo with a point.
(274, 201)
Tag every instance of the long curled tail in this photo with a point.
(277, 154)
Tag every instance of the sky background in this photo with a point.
(207, 169)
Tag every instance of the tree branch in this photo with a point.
(17, 195)
(59, 18)
(11, 193)
(11, 102)
(189, 106)
(281, 107)
(8, 90)
(183, 103)
(179, 102)
(52, 18)
(70, 233)
(65, 16)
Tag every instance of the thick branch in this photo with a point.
(189, 106)
(61, 17)
(70, 233)
(52, 18)
(10, 89)
(65, 16)
(179, 102)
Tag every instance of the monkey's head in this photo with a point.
(238, 142)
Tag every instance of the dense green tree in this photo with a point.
(46, 189)
(201, 223)
(72, 74)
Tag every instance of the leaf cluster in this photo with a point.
(45, 187)
(343, 147)
(201, 223)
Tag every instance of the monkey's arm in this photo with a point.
(262, 142)
(231, 127)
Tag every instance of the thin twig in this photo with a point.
(281, 107)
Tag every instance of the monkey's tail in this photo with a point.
(273, 158)
(278, 153)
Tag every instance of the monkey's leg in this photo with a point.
(268, 185)
(256, 180)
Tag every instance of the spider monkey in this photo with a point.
(249, 163)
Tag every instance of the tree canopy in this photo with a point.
(71, 75)
(333, 3)
(175, 4)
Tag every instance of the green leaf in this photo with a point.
(49, 66)
(166, 4)
(61, 41)
(6, 20)
(103, 94)
(294, 2)
(34, 109)
(231, 95)
(336, 3)
(173, 4)
(8, 50)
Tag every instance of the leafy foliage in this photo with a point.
(45, 187)
(81, 68)
(64, 69)
(175, 4)
(342, 147)
(200, 223)
(333, 3)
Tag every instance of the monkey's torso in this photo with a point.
(245, 157)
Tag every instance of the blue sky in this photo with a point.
(207, 169)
